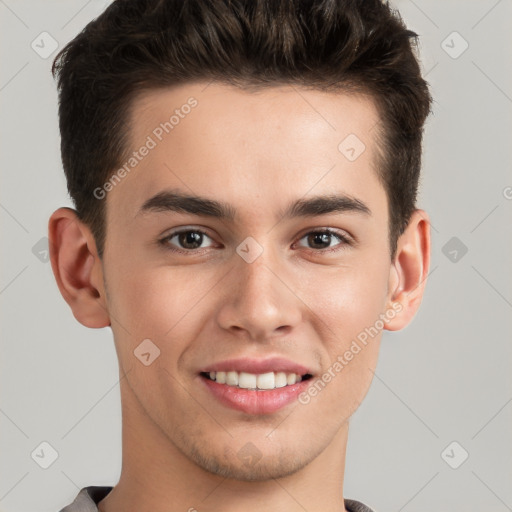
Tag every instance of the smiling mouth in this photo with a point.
(257, 382)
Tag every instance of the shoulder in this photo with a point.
(357, 506)
(87, 499)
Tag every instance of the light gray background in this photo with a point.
(447, 377)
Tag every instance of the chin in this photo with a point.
(248, 464)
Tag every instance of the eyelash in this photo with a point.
(344, 240)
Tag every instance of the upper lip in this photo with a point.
(257, 366)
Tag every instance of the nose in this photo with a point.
(258, 301)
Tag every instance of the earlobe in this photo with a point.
(77, 268)
(409, 271)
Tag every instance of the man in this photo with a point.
(244, 175)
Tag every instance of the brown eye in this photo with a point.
(322, 240)
(319, 240)
(188, 240)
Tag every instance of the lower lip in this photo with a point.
(253, 401)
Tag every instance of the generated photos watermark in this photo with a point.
(152, 141)
(362, 339)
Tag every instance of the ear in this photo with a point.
(409, 271)
(77, 268)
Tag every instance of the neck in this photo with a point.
(156, 476)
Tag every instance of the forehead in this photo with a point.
(267, 143)
(239, 113)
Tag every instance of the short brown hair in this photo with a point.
(136, 45)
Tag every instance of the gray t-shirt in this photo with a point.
(89, 497)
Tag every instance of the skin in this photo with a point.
(257, 151)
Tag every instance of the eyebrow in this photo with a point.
(177, 201)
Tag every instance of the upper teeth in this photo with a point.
(245, 380)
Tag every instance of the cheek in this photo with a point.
(347, 306)
(348, 299)
(156, 301)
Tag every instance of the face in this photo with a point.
(250, 278)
